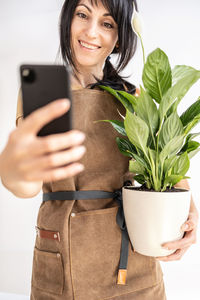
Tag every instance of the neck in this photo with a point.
(85, 76)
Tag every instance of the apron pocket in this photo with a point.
(47, 273)
(95, 245)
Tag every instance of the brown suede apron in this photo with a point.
(78, 242)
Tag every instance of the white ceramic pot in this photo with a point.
(153, 218)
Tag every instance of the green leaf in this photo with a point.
(131, 98)
(136, 167)
(152, 156)
(157, 77)
(125, 147)
(137, 131)
(181, 71)
(171, 128)
(177, 92)
(191, 136)
(192, 124)
(147, 111)
(186, 177)
(172, 180)
(171, 147)
(118, 125)
(177, 73)
(193, 153)
(190, 146)
(140, 179)
(169, 162)
(125, 102)
(142, 161)
(190, 113)
(182, 164)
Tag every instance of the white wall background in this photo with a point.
(29, 33)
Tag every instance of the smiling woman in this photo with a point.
(82, 250)
(104, 26)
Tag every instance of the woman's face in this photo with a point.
(94, 34)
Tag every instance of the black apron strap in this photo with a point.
(99, 194)
(122, 272)
(78, 195)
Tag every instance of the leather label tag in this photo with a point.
(47, 234)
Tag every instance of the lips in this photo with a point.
(88, 45)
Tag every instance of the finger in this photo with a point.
(56, 159)
(186, 241)
(58, 142)
(40, 117)
(58, 173)
(51, 143)
(177, 255)
(191, 223)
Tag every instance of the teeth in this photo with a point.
(88, 46)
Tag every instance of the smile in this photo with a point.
(88, 46)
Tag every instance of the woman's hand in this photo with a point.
(189, 238)
(30, 158)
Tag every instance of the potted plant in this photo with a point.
(160, 145)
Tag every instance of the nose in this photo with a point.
(92, 30)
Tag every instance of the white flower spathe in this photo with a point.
(136, 22)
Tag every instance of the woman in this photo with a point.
(77, 249)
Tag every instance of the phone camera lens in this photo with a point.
(28, 75)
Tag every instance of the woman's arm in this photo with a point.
(21, 189)
(28, 160)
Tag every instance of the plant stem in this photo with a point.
(142, 47)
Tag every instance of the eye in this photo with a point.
(81, 15)
(108, 25)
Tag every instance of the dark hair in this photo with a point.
(121, 11)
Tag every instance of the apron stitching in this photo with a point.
(70, 259)
(97, 213)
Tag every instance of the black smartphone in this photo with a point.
(42, 84)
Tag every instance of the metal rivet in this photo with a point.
(73, 214)
(55, 236)
(58, 255)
